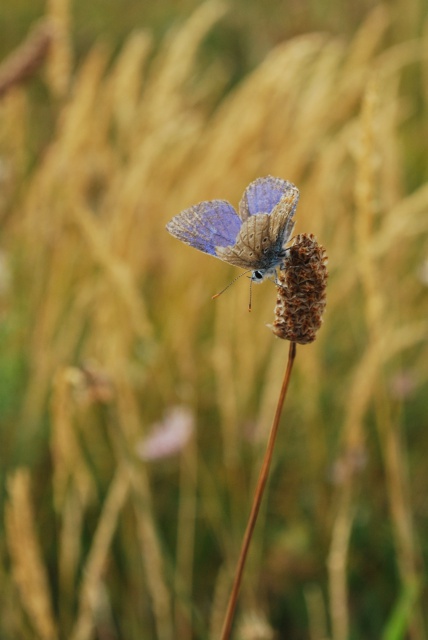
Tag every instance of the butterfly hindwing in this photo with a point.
(253, 244)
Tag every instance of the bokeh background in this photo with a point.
(134, 410)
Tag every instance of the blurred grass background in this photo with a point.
(134, 410)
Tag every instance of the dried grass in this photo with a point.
(28, 567)
(96, 278)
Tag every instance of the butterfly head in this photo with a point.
(273, 260)
(259, 275)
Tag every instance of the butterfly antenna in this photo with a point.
(229, 285)
(251, 292)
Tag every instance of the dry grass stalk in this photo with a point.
(315, 605)
(343, 521)
(223, 359)
(219, 601)
(257, 498)
(67, 457)
(73, 485)
(152, 557)
(337, 562)
(89, 591)
(172, 69)
(186, 537)
(69, 555)
(117, 271)
(23, 63)
(61, 55)
(377, 321)
(28, 568)
(367, 379)
(126, 80)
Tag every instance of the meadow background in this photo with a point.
(134, 410)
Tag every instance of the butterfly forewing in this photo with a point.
(263, 195)
(207, 225)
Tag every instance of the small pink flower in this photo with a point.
(350, 463)
(168, 437)
(402, 385)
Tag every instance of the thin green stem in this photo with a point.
(258, 495)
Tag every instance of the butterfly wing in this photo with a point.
(267, 209)
(207, 226)
(260, 241)
(253, 244)
(264, 194)
(282, 215)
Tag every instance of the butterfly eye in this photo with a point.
(257, 275)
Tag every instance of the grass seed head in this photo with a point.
(301, 288)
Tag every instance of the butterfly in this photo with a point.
(254, 238)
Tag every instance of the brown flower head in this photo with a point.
(301, 287)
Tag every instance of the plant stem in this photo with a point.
(258, 495)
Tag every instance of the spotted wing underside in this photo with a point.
(253, 244)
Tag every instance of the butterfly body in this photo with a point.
(253, 240)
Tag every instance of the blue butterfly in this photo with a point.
(255, 238)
